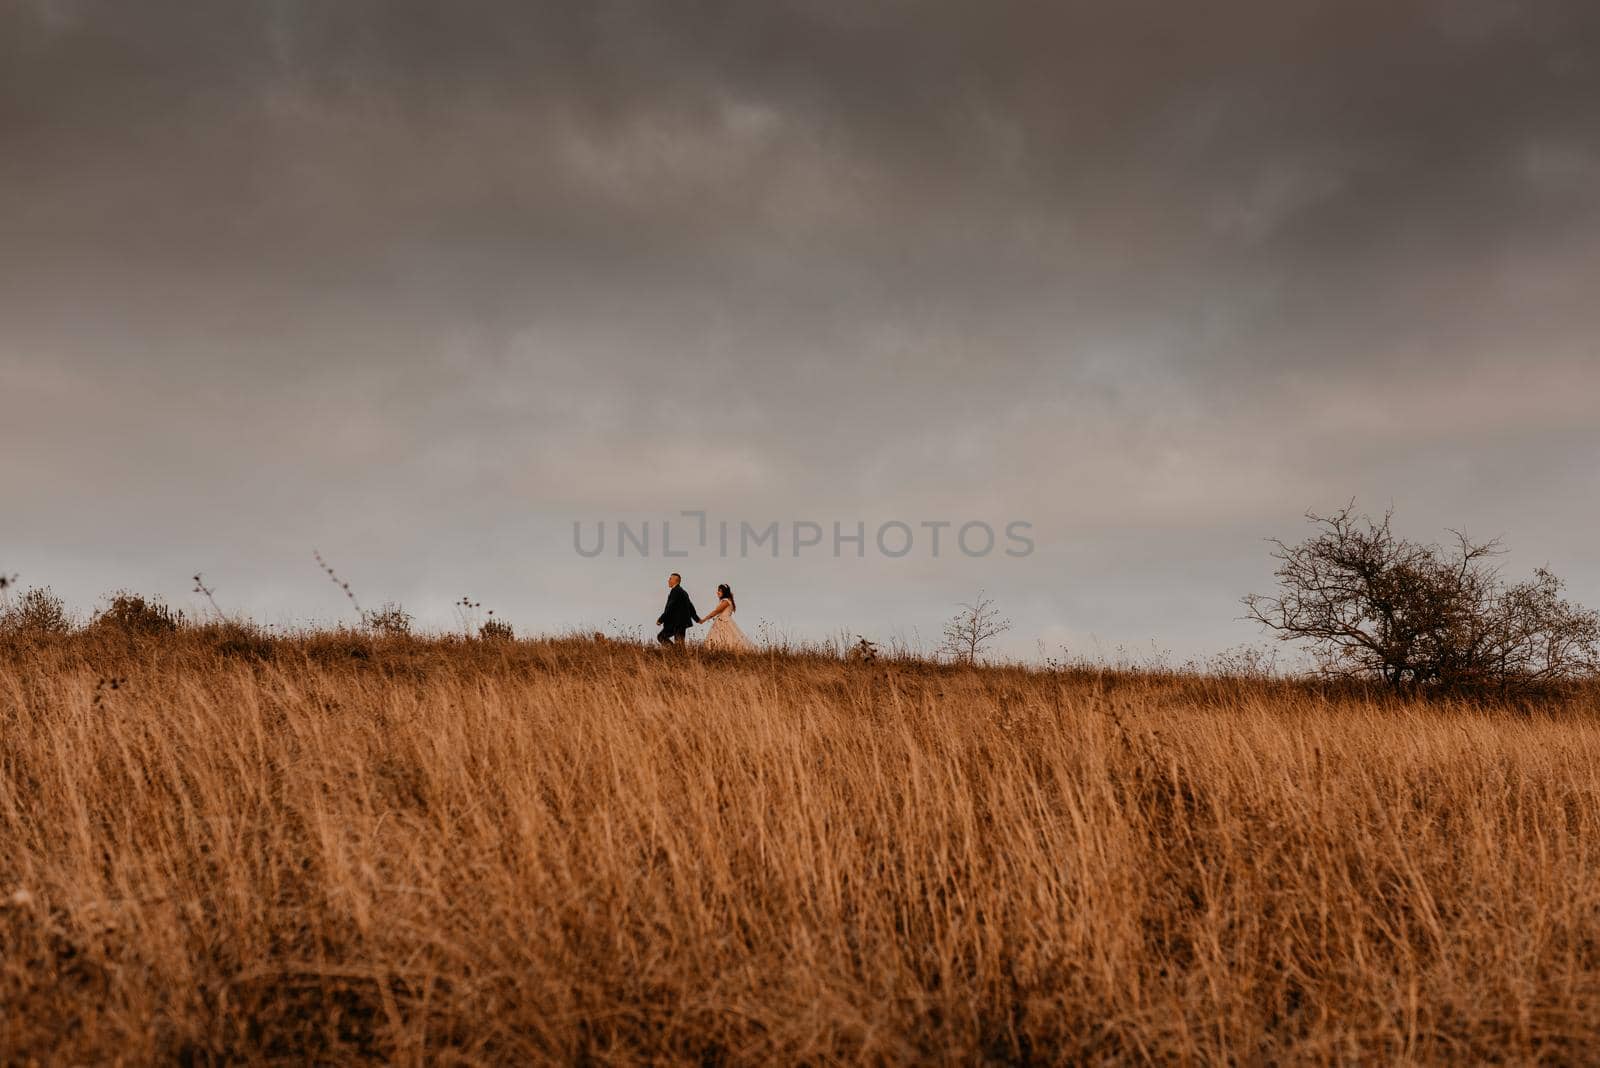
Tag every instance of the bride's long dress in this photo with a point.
(726, 635)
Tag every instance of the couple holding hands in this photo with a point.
(679, 616)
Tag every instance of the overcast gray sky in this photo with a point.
(420, 285)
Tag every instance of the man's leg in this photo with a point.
(665, 638)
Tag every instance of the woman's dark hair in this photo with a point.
(726, 590)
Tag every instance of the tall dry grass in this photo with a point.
(214, 847)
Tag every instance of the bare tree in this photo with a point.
(1374, 605)
(970, 630)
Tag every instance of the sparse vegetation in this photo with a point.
(564, 851)
(133, 613)
(210, 594)
(390, 620)
(339, 582)
(968, 633)
(489, 630)
(498, 630)
(36, 611)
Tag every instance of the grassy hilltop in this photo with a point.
(216, 845)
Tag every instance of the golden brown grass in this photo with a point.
(332, 848)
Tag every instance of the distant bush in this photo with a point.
(1242, 662)
(133, 613)
(496, 630)
(38, 611)
(390, 621)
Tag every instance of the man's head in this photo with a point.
(673, 579)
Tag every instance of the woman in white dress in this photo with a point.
(725, 633)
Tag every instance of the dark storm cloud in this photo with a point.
(1136, 264)
(1291, 126)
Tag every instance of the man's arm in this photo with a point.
(693, 614)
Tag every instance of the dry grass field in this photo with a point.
(330, 848)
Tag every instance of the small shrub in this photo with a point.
(133, 613)
(496, 630)
(37, 611)
(390, 621)
(864, 651)
(1243, 662)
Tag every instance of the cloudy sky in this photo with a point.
(421, 285)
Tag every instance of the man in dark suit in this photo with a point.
(679, 614)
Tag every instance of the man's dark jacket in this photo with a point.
(679, 614)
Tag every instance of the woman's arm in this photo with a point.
(722, 606)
